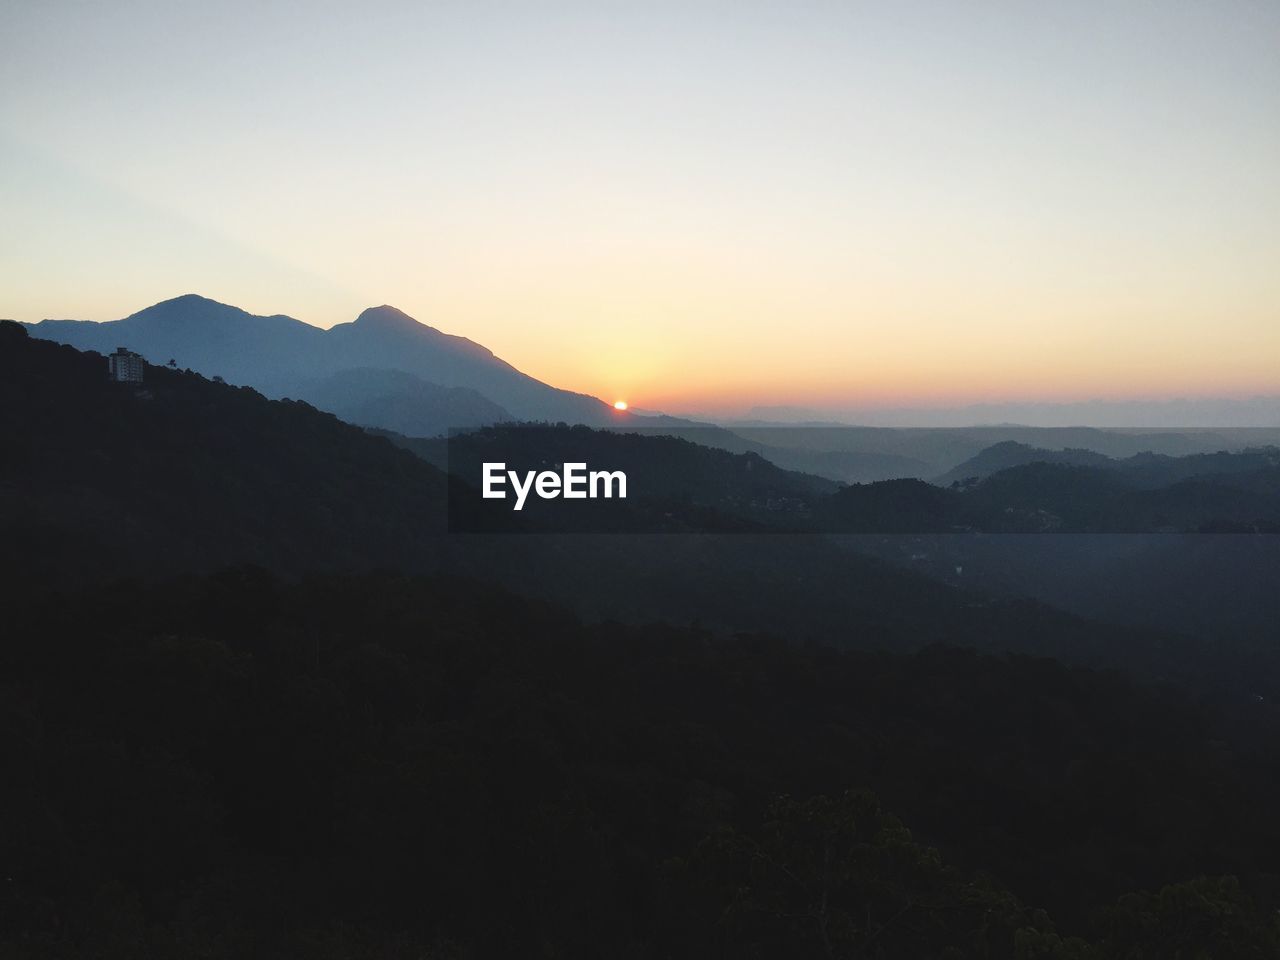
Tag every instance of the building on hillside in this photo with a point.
(125, 367)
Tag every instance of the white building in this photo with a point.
(125, 367)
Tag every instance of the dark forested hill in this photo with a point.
(1145, 469)
(930, 452)
(184, 473)
(1234, 493)
(380, 767)
(1010, 453)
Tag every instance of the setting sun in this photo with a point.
(620, 405)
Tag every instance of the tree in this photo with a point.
(1210, 918)
(843, 878)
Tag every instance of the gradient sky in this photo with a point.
(691, 206)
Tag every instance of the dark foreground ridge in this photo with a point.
(185, 474)
(382, 767)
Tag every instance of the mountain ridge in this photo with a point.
(280, 355)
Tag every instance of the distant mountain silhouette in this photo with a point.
(792, 451)
(1047, 497)
(202, 335)
(1010, 453)
(1141, 469)
(1239, 468)
(930, 453)
(281, 356)
(400, 402)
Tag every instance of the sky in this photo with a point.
(689, 206)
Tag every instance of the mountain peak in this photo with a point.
(190, 300)
(387, 317)
(186, 308)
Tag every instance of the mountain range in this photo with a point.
(400, 362)
(185, 475)
(1145, 469)
(387, 371)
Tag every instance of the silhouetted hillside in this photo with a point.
(891, 506)
(186, 474)
(939, 450)
(1010, 453)
(379, 767)
(1141, 469)
(1047, 497)
(1243, 469)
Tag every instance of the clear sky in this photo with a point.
(691, 206)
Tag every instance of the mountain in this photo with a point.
(1141, 469)
(281, 356)
(387, 338)
(1010, 453)
(1212, 413)
(203, 335)
(926, 453)
(1147, 469)
(400, 402)
(1242, 468)
(1047, 497)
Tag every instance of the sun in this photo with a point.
(620, 405)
